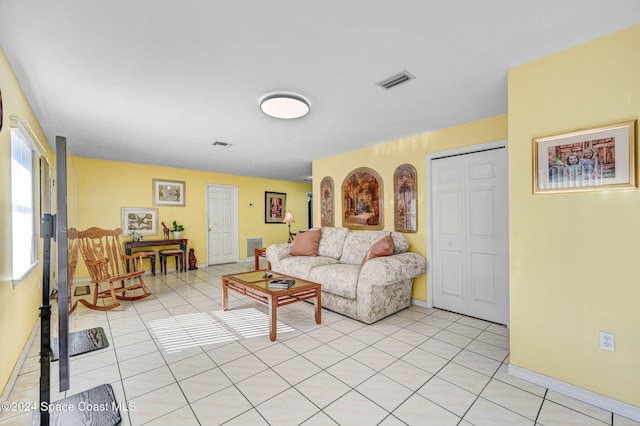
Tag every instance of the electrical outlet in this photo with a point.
(607, 341)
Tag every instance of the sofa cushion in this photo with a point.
(301, 266)
(357, 244)
(332, 241)
(306, 244)
(400, 243)
(339, 279)
(383, 247)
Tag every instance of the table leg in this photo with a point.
(273, 318)
(318, 307)
(225, 295)
(184, 257)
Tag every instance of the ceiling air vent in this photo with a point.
(394, 80)
(221, 144)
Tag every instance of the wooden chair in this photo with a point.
(178, 254)
(102, 253)
(72, 263)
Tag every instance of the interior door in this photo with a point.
(222, 220)
(470, 259)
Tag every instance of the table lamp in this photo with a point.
(288, 219)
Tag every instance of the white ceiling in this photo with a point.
(158, 81)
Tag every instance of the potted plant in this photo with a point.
(176, 229)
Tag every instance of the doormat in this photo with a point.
(96, 406)
(81, 342)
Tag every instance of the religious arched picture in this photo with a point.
(326, 202)
(362, 200)
(405, 201)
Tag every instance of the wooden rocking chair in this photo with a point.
(72, 263)
(102, 253)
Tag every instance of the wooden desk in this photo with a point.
(182, 243)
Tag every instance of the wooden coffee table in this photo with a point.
(253, 285)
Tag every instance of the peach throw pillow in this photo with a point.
(306, 244)
(383, 247)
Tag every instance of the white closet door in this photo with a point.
(470, 269)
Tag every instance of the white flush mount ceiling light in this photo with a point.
(284, 105)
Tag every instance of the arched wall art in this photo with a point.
(405, 211)
(362, 200)
(327, 211)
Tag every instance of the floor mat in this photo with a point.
(81, 342)
(96, 406)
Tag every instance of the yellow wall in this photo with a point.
(18, 306)
(385, 158)
(107, 186)
(574, 257)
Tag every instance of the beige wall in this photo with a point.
(385, 158)
(575, 256)
(19, 305)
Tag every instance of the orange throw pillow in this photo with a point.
(306, 243)
(383, 247)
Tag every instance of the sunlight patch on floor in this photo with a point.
(185, 331)
(179, 332)
(249, 322)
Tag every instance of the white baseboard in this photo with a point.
(622, 408)
(419, 302)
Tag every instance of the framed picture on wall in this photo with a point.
(362, 201)
(405, 205)
(326, 202)
(586, 160)
(275, 204)
(143, 221)
(169, 192)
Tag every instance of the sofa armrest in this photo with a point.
(392, 269)
(277, 252)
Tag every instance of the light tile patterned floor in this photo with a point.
(178, 359)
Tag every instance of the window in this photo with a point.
(23, 216)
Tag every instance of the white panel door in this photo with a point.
(470, 265)
(222, 224)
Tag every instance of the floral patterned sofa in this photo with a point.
(366, 291)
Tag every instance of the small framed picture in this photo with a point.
(586, 160)
(143, 221)
(275, 204)
(169, 192)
